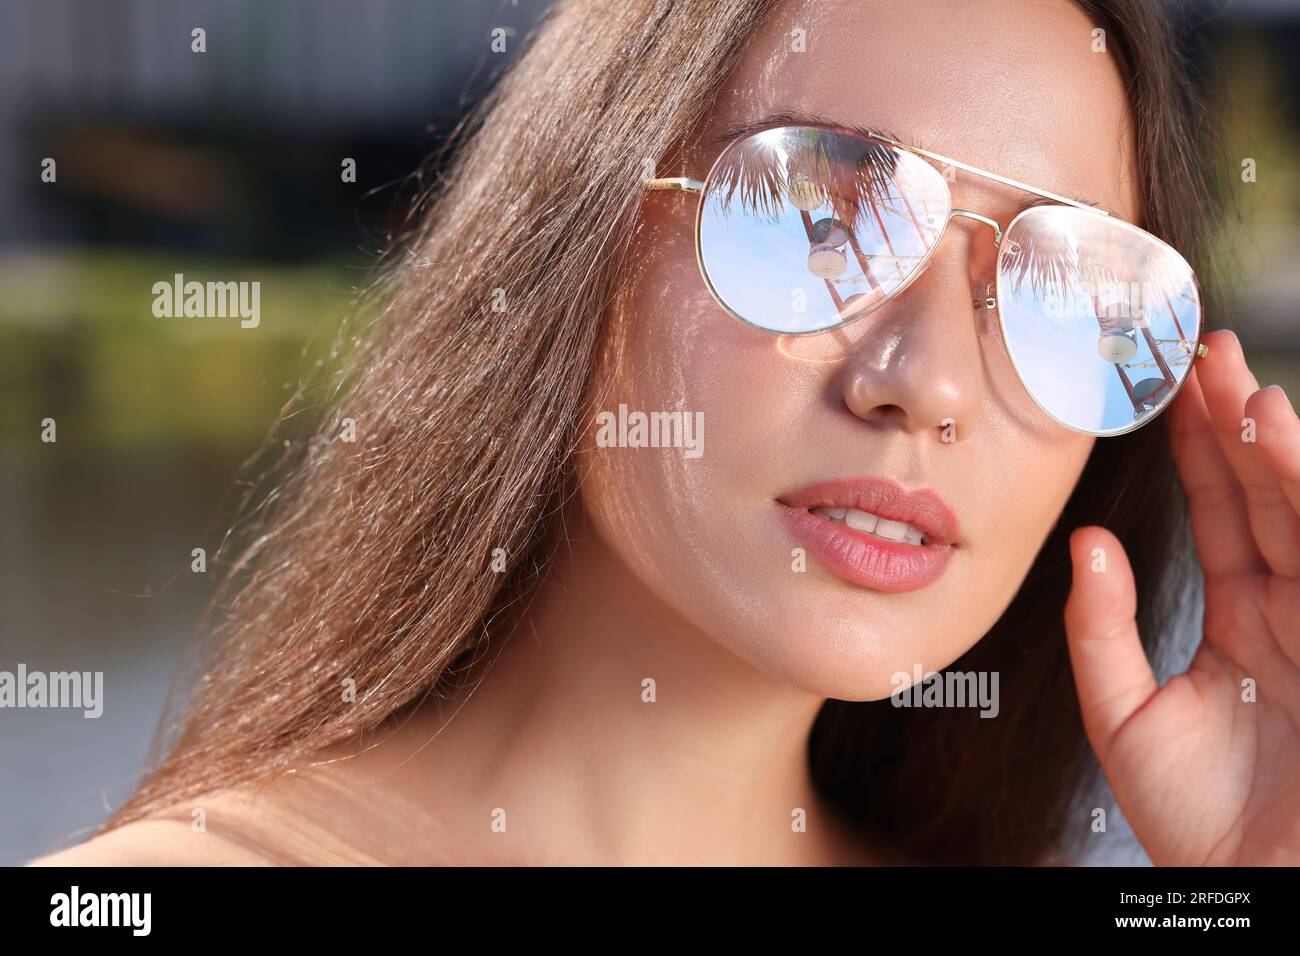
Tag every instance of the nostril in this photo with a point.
(887, 414)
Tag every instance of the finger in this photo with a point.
(1111, 670)
(1216, 501)
(1279, 438)
(1228, 385)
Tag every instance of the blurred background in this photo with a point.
(226, 165)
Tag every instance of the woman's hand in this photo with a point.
(1207, 768)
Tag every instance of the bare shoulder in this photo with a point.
(218, 829)
(332, 812)
(304, 819)
(156, 841)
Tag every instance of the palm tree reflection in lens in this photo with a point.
(1079, 291)
(884, 207)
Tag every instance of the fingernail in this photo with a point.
(1233, 335)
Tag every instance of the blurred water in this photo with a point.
(94, 576)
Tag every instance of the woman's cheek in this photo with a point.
(680, 513)
(690, 519)
(1030, 472)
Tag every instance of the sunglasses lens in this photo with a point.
(804, 228)
(1101, 319)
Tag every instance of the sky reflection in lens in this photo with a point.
(804, 228)
(1100, 318)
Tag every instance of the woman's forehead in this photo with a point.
(1021, 87)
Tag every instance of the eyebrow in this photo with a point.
(740, 130)
(796, 118)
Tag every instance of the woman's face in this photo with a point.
(1010, 86)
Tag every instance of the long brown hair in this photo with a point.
(371, 561)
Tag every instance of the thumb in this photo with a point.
(1111, 670)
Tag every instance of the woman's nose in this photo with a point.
(917, 365)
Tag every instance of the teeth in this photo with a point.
(885, 528)
(861, 520)
(891, 530)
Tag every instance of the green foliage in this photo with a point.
(79, 342)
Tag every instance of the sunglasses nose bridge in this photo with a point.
(983, 298)
(991, 223)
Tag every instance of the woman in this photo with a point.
(509, 624)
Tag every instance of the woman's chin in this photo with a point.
(847, 654)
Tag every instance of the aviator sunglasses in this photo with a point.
(804, 229)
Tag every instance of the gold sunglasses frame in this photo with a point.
(687, 184)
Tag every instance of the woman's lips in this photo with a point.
(873, 533)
